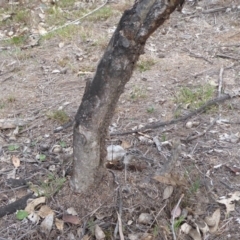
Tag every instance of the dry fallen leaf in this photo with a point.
(99, 234)
(230, 202)
(72, 211)
(15, 161)
(47, 223)
(86, 237)
(170, 179)
(213, 221)
(59, 224)
(167, 192)
(185, 228)
(146, 236)
(33, 203)
(33, 217)
(195, 234)
(176, 212)
(71, 219)
(44, 211)
(125, 144)
(165, 180)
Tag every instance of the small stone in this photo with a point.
(189, 125)
(145, 218)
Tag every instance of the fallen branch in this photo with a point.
(196, 55)
(17, 205)
(227, 56)
(158, 124)
(188, 139)
(213, 10)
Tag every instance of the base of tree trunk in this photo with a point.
(86, 163)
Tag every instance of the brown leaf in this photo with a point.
(44, 211)
(47, 223)
(33, 203)
(167, 192)
(59, 224)
(213, 221)
(71, 219)
(176, 212)
(99, 234)
(125, 144)
(230, 202)
(165, 180)
(15, 161)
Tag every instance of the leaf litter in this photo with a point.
(142, 192)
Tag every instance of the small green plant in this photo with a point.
(52, 185)
(137, 93)
(59, 115)
(23, 16)
(62, 33)
(164, 137)
(62, 144)
(2, 105)
(66, 3)
(13, 147)
(21, 214)
(195, 97)
(155, 231)
(42, 157)
(11, 99)
(102, 14)
(195, 186)
(178, 222)
(150, 109)
(145, 64)
(91, 225)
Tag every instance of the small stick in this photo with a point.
(157, 143)
(204, 132)
(227, 56)
(213, 10)
(120, 226)
(173, 216)
(173, 121)
(220, 81)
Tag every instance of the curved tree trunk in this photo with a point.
(103, 91)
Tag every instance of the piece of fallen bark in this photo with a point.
(16, 182)
(17, 205)
(13, 123)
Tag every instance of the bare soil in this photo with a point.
(194, 48)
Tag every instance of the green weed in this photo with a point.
(195, 186)
(137, 93)
(52, 185)
(150, 109)
(13, 147)
(11, 99)
(178, 222)
(195, 97)
(102, 14)
(59, 115)
(144, 65)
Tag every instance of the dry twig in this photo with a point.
(158, 124)
(173, 216)
(188, 139)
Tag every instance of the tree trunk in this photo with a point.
(103, 91)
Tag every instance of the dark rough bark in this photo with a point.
(103, 91)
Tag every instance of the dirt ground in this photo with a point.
(196, 163)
